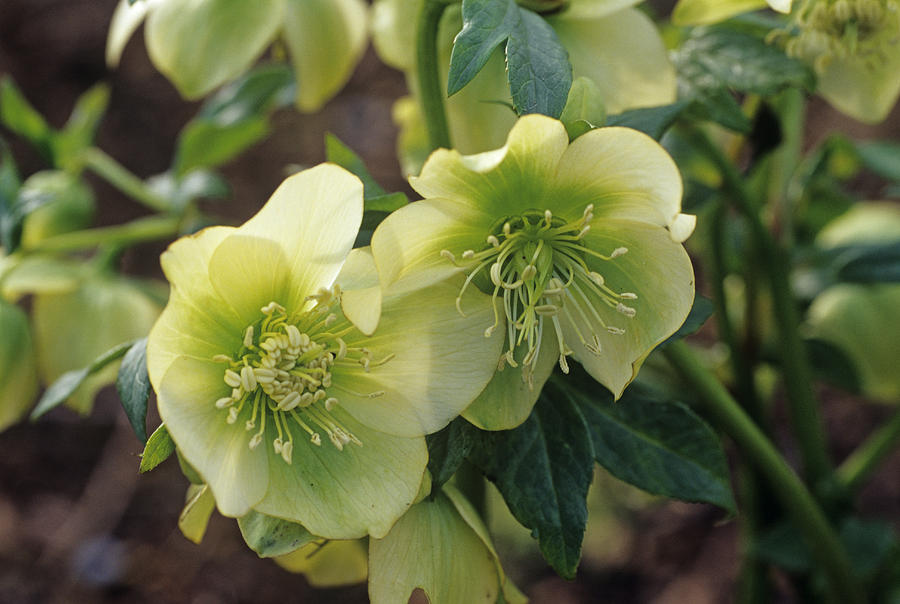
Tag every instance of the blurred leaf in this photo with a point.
(661, 447)
(133, 386)
(53, 202)
(486, 24)
(701, 310)
(196, 184)
(875, 263)
(264, 89)
(538, 67)
(543, 469)
(387, 202)
(783, 545)
(62, 388)
(158, 449)
(832, 364)
(448, 448)
(652, 121)
(269, 536)
(81, 128)
(194, 517)
(9, 192)
(17, 114)
(584, 108)
(339, 153)
(881, 157)
(206, 144)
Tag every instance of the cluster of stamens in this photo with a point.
(283, 370)
(829, 29)
(536, 263)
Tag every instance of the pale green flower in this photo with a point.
(282, 404)
(609, 42)
(18, 371)
(329, 564)
(579, 245)
(201, 44)
(442, 547)
(703, 12)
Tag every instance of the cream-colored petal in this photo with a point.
(361, 292)
(624, 173)
(200, 44)
(314, 215)
(456, 565)
(326, 39)
(442, 360)
(859, 90)
(344, 494)
(333, 564)
(782, 6)
(704, 12)
(217, 450)
(623, 53)
(659, 272)
(682, 227)
(125, 20)
(392, 34)
(198, 507)
(516, 177)
(407, 246)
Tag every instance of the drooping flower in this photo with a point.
(579, 245)
(274, 382)
(613, 44)
(202, 44)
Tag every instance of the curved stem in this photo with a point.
(431, 93)
(805, 416)
(865, 459)
(118, 176)
(142, 229)
(797, 500)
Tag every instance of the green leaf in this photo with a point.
(270, 537)
(832, 364)
(81, 128)
(448, 448)
(881, 157)
(264, 89)
(339, 153)
(181, 190)
(701, 310)
(486, 24)
(10, 182)
(158, 449)
(652, 121)
(206, 144)
(543, 469)
(133, 386)
(67, 383)
(874, 263)
(661, 447)
(17, 114)
(387, 202)
(584, 108)
(537, 67)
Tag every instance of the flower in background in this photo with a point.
(201, 44)
(703, 12)
(289, 382)
(579, 246)
(18, 371)
(615, 46)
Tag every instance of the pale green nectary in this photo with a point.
(579, 246)
(202, 44)
(280, 387)
(613, 44)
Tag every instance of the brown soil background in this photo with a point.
(79, 525)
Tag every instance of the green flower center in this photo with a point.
(829, 29)
(283, 374)
(536, 263)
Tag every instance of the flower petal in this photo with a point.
(18, 370)
(345, 494)
(186, 395)
(314, 215)
(704, 12)
(598, 8)
(201, 44)
(508, 180)
(326, 39)
(361, 292)
(333, 564)
(858, 89)
(624, 173)
(442, 362)
(622, 52)
(125, 20)
(659, 272)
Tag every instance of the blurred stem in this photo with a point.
(142, 229)
(792, 110)
(753, 585)
(804, 409)
(118, 176)
(428, 71)
(719, 406)
(865, 459)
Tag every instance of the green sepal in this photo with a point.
(133, 386)
(269, 536)
(158, 449)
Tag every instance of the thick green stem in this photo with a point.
(431, 93)
(719, 406)
(805, 416)
(118, 176)
(864, 460)
(142, 229)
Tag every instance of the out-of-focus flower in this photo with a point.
(702, 12)
(201, 44)
(18, 371)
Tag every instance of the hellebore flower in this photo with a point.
(703, 12)
(201, 44)
(611, 43)
(18, 371)
(578, 244)
(269, 382)
(442, 547)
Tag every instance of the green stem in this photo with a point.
(142, 229)
(805, 416)
(797, 500)
(431, 93)
(865, 459)
(792, 110)
(118, 176)
(753, 585)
